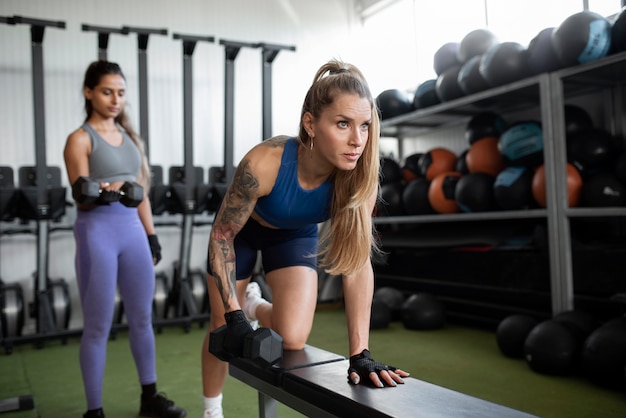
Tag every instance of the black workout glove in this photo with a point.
(155, 248)
(237, 327)
(363, 364)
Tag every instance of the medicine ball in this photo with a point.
(435, 161)
(550, 348)
(445, 57)
(542, 56)
(441, 193)
(423, 311)
(484, 124)
(392, 103)
(512, 188)
(591, 151)
(415, 197)
(582, 37)
(504, 63)
(410, 168)
(576, 119)
(426, 95)
(470, 80)
(390, 170)
(484, 156)
(476, 42)
(512, 332)
(581, 324)
(474, 192)
(391, 297)
(574, 186)
(522, 144)
(380, 315)
(447, 85)
(603, 190)
(461, 162)
(618, 33)
(604, 354)
(390, 203)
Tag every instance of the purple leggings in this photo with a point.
(112, 250)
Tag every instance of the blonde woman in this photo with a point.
(281, 190)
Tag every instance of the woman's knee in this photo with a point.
(294, 339)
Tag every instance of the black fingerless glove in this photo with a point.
(363, 364)
(237, 327)
(155, 248)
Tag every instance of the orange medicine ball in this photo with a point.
(437, 160)
(484, 156)
(441, 193)
(574, 186)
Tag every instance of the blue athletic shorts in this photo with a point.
(279, 248)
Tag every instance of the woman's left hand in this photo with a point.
(364, 366)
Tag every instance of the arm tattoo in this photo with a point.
(236, 208)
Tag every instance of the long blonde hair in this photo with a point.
(94, 73)
(351, 238)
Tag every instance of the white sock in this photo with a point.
(212, 404)
(250, 307)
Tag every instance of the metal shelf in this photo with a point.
(462, 217)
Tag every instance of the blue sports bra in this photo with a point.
(289, 206)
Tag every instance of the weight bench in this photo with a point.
(314, 382)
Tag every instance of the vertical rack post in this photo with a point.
(142, 56)
(231, 50)
(268, 54)
(185, 292)
(43, 310)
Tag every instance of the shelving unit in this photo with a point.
(547, 93)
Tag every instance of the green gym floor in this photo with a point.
(459, 358)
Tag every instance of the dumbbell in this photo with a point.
(88, 192)
(262, 346)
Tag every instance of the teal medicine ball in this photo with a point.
(582, 37)
(522, 144)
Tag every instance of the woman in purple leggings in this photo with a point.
(116, 244)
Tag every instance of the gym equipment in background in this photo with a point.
(504, 63)
(447, 85)
(445, 57)
(190, 195)
(476, 42)
(512, 332)
(42, 199)
(393, 103)
(582, 37)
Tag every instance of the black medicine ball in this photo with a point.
(474, 192)
(423, 311)
(470, 80)
(447, 85)
(415, 197)
(426, 95)
(445, 57)
(576, 119)
(582, 37)
(512, 332)
(603, 190)
(512, 188)
(390, 170)
(591, 151)
(542, 57)
(392, 103)
(484, 124)
(550, 348)
(604, 354)
(504, 63)
(476, 42)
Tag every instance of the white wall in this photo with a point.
(320, 30)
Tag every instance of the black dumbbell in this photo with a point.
(88, 192)
(262, 346)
